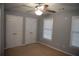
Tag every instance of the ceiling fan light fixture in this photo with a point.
(38, 12)
(42, 7)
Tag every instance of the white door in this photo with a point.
(14, 31)
(30, 30)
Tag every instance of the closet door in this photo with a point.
(14, 31)
(30, 30)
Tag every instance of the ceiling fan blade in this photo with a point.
(51, 11)
(27, 6)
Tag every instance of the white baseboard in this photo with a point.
(56, 48)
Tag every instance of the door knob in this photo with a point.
(14, 33)
(31, 32)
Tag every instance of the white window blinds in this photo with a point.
(75, 31)
(47, 28)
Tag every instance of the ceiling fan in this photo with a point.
(40, 9)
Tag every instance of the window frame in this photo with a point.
(52, 18)
(71, 33)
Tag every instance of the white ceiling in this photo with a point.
(29, 7)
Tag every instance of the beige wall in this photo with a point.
(1, 29)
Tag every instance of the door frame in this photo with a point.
(22, 28)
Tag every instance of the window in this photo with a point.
(47, 28)
(75, 31)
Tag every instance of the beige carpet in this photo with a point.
(35, 49)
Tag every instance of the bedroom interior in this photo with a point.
(39, 29)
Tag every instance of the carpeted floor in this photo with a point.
(35, 49)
